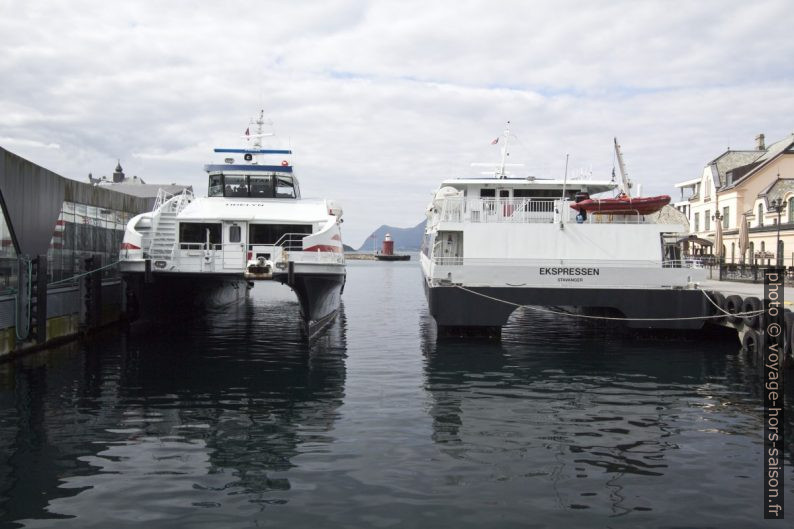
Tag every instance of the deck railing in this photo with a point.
(291, 242)
(521, 211)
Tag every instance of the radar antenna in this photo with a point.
(500, 167)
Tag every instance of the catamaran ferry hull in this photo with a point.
(483, 311)
(163, 294)
(319, 295)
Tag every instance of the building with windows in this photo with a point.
(135, 186)
(50, 227)
(745, 186)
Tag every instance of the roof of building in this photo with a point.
(145, 190)
(778, 189)
(730, 160)
(741, 173)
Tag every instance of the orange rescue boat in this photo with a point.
(623, 204)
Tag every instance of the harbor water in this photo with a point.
(231, 419)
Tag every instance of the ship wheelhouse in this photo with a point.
(252, 181)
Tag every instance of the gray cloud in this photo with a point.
(381, 100)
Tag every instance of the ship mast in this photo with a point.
(501, 173)
(259, 130)
(500, 168)
(624, 175)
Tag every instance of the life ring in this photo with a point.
(733, 304)
(284, 163)
(752, 304)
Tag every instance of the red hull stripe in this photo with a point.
(128, 246)
(323, 248)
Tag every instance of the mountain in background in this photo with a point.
(405, 239)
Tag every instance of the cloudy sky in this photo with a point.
(381, 100)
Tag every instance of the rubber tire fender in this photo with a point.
(733, 304)
(752, 304)
(718, 300)
(753, 342)
(788, 344)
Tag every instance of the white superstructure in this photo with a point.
(253, 224)
(518, 239)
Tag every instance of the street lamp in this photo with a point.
(777, 206)
(717, 218)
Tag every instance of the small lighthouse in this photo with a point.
(387, 251)
(388, 245)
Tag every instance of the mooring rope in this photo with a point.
(78, 276)
(610, 318)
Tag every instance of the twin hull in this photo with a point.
(167, 267)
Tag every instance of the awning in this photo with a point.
(695, 239)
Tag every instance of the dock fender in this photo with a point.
(788, 317)
(718, 300)
(752, 342)
(733, 304)
(752, 304)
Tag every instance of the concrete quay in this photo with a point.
(745, 290)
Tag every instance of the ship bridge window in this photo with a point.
(271, 233)
(216, 186)
(196, 232)
(285, 187)
(261, 186)
(235, 186)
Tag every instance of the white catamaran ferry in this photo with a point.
(253, 225)
(493, 244)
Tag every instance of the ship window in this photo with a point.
(271, 233)
(235, 186)
(196, 232)
(285, 187)
(234, 233)
(261, 186)
(216, 186)
(487, 193)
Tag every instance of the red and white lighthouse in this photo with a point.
(388, 245)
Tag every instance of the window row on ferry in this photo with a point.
(253, 186)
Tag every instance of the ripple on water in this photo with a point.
(231, 419)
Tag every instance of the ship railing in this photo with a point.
(523, 211)
(497, 210)
(618, 263)
(291, 245)
(291, 242)
(199, 246)
(512, 210)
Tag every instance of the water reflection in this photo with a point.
(210, 415)
(597, 420)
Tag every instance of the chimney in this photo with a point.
(759, 142)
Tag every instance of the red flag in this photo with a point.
(495, 141)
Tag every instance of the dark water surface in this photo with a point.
(233, 420)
